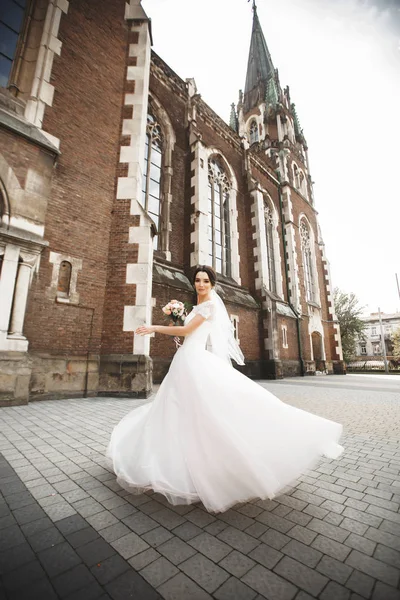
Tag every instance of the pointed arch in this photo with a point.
(158, 171)
(307, 239)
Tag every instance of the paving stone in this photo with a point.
(233, 588)
(187, 531)
(301, 575)
(334, 569)
(73, 580)
(71, 524)
(360, 583)
(157, 536)
(131, 585)
(23, 575)
(354, 526)
(298, 517)
(373, 567)
(236, 519)
(237, 563)
(12, 558)
(20, 499)
(362, 517)
(88, 507)
(334, 591)
(59, 511)
(139, 561)
(10, 537)
(335, 533)
(257, 529)
(82, 537)
(123, 511)
(250, 510)
(302, 534)
(387, 555)
(207, 574)
(199, 518)
(330, 547)
(266, 556)
(102, 520)
(215, 527)
(140, 523)
(40, 589)
(176, 550)
(45, 539)
(114, 532)
(304, 554)
(360, 543)
(58, 559)
(268, 584)
(159, 571)
(238, 540)
(278, 523)
(7, 521)
(28, 513)
(274, 538)
(129, 545)
(333, 519)
(210, 546)
(181, 586)
(109, 569)
(316, 511)
(385, 592)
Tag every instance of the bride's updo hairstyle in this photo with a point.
(205, 269)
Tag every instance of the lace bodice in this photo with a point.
(200, 335)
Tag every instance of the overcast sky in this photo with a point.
(341, 60)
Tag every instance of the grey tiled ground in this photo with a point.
(334, 535)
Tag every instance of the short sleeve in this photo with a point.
(205, 309)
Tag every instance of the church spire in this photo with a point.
(259, 67)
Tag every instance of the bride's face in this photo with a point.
(202, 284)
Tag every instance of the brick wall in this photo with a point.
(86, 113)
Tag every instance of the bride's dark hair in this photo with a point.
(205, 269)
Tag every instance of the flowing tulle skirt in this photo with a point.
(213, 435)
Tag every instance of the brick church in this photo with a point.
(116, 179)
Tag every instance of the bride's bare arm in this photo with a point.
(180, 330)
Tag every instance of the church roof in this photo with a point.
(259, 67)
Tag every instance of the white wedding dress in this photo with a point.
(213, 435)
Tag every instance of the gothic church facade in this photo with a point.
(116, 179)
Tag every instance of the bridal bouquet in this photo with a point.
(175, 310)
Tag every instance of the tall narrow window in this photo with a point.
(11, 25)
(64, 279)
(307, 261)
(219, 238)
(253, 132)
(151, 187)
(296, 177)
(269, 230)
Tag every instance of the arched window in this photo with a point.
(307, 261)
(269, 231)
(2, 205)
(64, 279)
(218, 218)
(296, 177)
(253, 132)
(151, 187)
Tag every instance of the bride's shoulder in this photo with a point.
(205, 309)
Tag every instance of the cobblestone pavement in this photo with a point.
(69, 531)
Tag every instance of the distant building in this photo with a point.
(371, 345)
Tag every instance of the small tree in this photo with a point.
(396, 343)
(348, 312)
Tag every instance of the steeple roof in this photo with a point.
(259, 67)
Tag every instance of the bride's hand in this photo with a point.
(145, 330)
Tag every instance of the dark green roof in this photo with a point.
(259, 66)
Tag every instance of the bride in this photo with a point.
(211, 434)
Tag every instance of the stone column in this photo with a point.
(7, 284)
(21, 295)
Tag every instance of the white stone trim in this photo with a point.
(42, 90)
(285, 343)
(52, 293)
(315, 282)
(235, 323)
(260, 196)
(16, 276)
(291, 250)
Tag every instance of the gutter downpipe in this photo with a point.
(302, 372)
